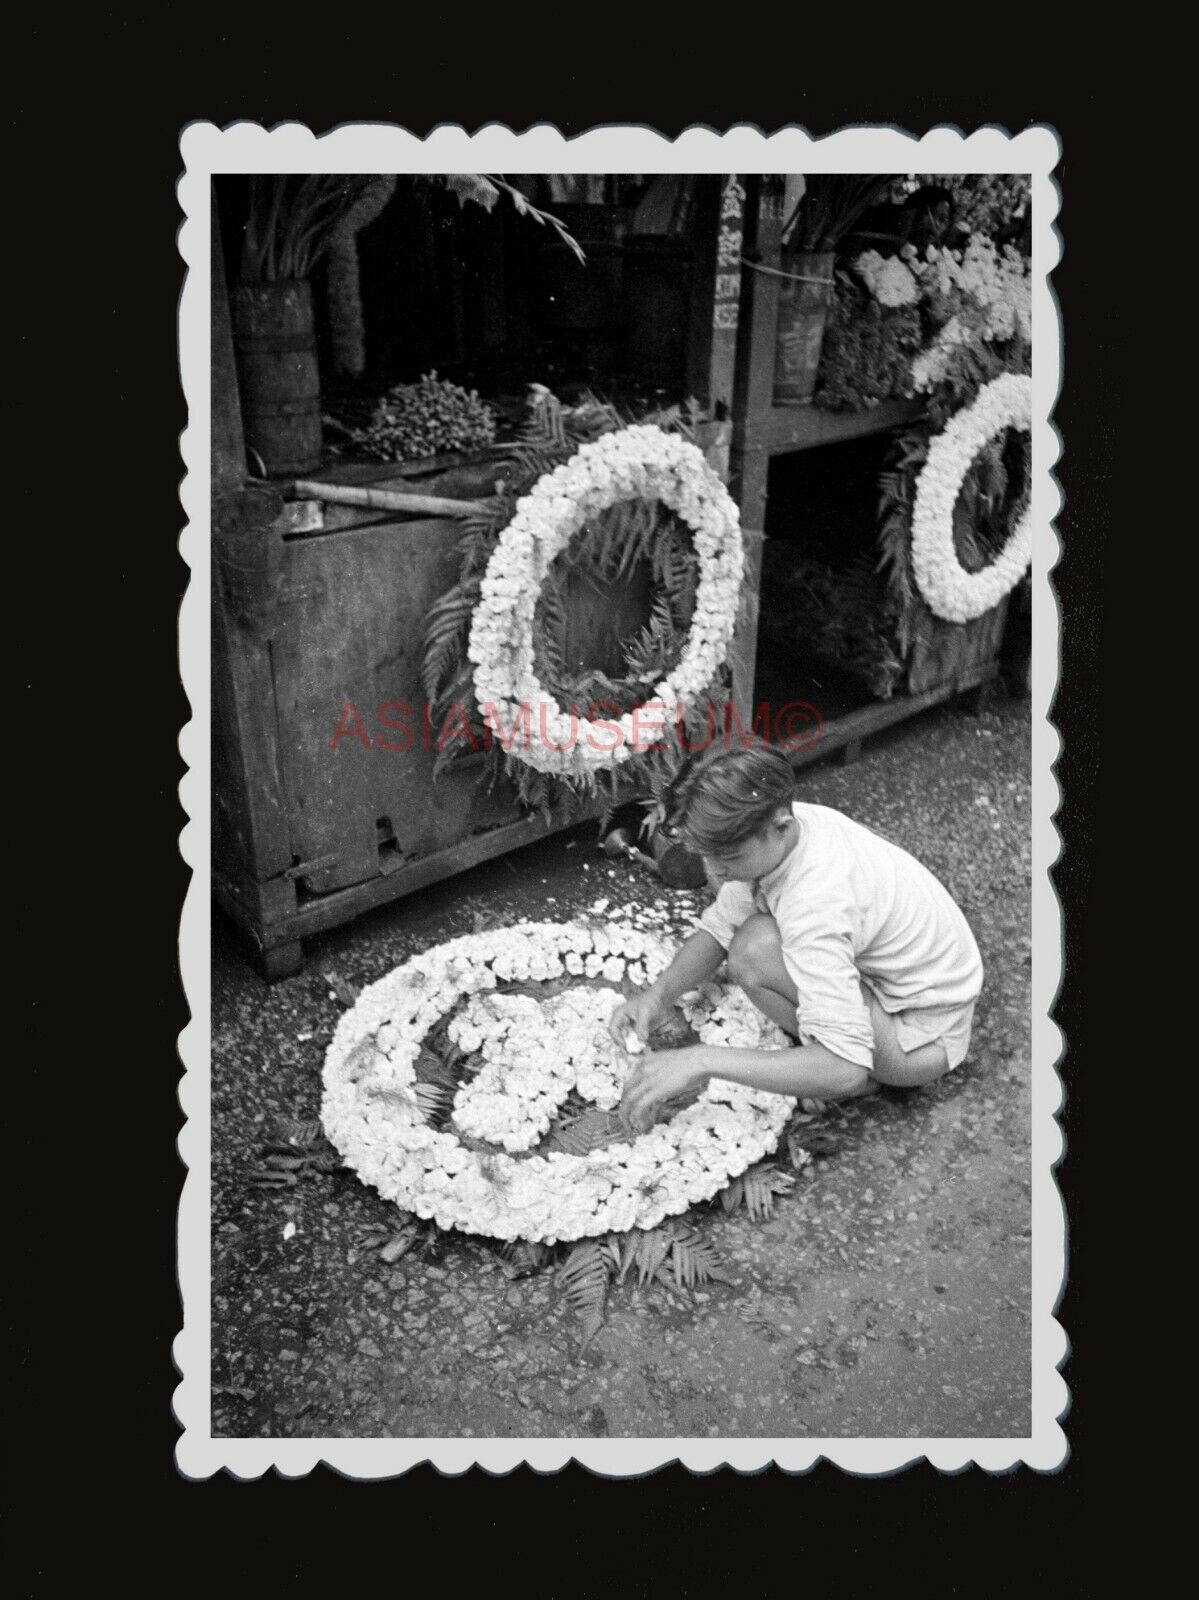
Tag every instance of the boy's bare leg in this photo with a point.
(756, 963)
(893, 1065)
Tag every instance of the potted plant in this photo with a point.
(827, 210)
(293, 222)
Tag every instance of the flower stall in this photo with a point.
(578, 547)
(895, 502)
(515, 479)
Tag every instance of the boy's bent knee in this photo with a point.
(752, 944)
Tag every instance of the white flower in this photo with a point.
(949, 590)
(890, 280)
(640, 461)
(535, 1054)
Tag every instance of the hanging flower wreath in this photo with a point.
(949, 590)
(529, 1057)
(640, 462)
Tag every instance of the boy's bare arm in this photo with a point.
(807, 1070)
(699, 958)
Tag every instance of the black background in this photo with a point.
(93, 1305)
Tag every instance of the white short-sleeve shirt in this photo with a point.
(850, 905)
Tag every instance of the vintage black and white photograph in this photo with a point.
(621, 945)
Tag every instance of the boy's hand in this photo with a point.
(665, 1076)
(639, 1015)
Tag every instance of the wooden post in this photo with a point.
(715, 304)
(754, 388)
(228, 442)
(745, 223)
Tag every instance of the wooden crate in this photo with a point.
(324, 797)
(948, 653)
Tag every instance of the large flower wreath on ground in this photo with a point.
(591, 496)
(433, 1146)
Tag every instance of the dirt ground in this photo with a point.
(889, 1295)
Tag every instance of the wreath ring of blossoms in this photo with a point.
(949, 590)
(640, 462)
(371, 1112)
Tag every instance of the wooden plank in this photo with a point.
(381, 472)
(250, 813)
(322, 687)
(255, 907)
(227, 456)
(854, 726)
(786, 428)
(359, 743)
(333, 909)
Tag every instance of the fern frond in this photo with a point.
(757, 1188)
(521, 1258)
(606, 818)
(361, 1058)
(650, 1247)
(434, 1100)
(461, 690)
(326, 1161)
(447, 630)
(583, 1280)
(676, 572)
(653, 651)
(579, 1133)
(533, 460)
(433, 1068)
(302, 1134)
(694, 1259)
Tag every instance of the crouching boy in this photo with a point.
(843, 939)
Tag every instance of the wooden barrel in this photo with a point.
(805, 296)
(278, 375)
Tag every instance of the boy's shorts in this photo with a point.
(950, 1026)
(947, 1025)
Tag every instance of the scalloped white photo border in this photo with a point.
(363, 147)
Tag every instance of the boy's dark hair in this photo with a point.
(722, 796)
